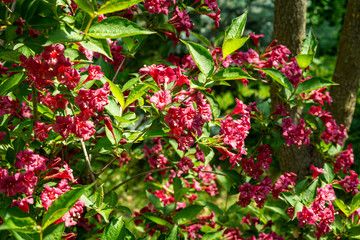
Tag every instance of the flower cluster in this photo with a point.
(295, 134)
(321, 212)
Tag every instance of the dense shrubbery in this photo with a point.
(75, 127)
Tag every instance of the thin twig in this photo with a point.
(88, 162)
(34, 102)
(140, 135)
(136, 176)
(106, 166)
(118, 70)
(222, 174)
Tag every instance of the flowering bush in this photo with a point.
(70, 113)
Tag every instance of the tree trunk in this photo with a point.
(290, 23)
(347, 69)
(289, 30)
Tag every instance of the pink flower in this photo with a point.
(317, 171)
(83, 129)
(256, 38)
(74, 213)
(185, 164)
(350, 183)
(17, 183)
(8, 105)
(161, 99)
(344, 160)
(23, 203)
(306, 216)
(54, 102)
(157, 6)
(41, 131)
(246, 194)
(101, 97)
(30, 161)
(283, 183)
(181, 21)
(94, 73)
(63, 125)
(295, 134)
(185, 143)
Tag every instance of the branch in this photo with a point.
(136, 176)
(34, 102)
(104, 168)
(87, 160)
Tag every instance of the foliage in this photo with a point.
(101, 140)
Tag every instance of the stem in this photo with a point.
(104, 168)
(344, 225)
(226, 203)
(88, 162)
(118, 70)
(34, 102)
(140, 135)
(297, 85)
(88, 25)
(136, 176)
(222, 174)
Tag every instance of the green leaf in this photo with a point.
(130, 83)
(114, 230)
(201, 57)
(202, 38)
(64, 34)
(86, 5)
(355, 203)
(298, 207)
(97, 45)
(212, 207)
(213, 235)
(110, 136)
(116, 27)
(309, 194)
(329, 175)
(232, 44)
(157, 220)
(309, 44)
(224, 181)
(278, 77)
(208, 153)
(289, 198)
(54, 232)
(214, 105)
(10, 55)
(62, 205)
(117, 92)
(304, 60)
(105, 213)
(278, 211)
(231, 73)
(99, 196)
(187, 213)
(116, 5)
(313, 84)
(20, 224)
(154, 200)
(11, 83)
(343, 207)
(173, 235)
(236, 28)
(136, 93)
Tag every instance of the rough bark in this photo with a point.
(289, 30)
(290, 23)
(347, 69)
